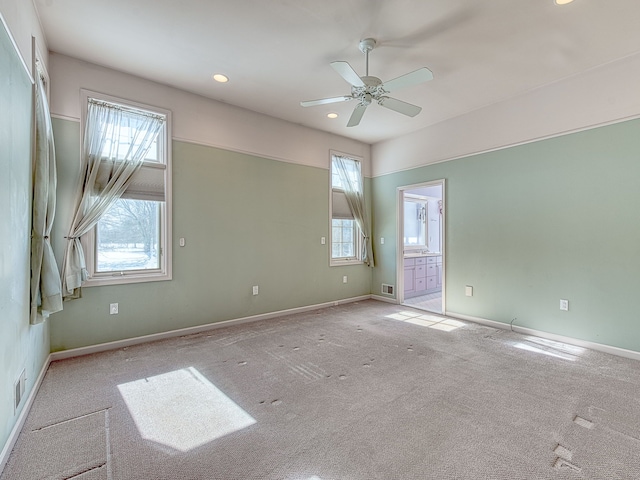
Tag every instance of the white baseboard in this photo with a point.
(103, 347)
(385, 299)
(600, 347)
(17, 428)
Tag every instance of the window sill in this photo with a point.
(116, 279)
(339, 263)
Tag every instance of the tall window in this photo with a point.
(345, 234)
(131, 241)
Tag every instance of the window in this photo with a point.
(131, 241)
(128, 237)
(345, 235)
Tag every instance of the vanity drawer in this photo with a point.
(431, 283)
(421, 271)
(409, 262)
(421, 284)
(421, 261)
(431, 259)
(432, 269)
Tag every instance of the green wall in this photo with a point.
(22, 346)
(526, 226)
(246, 221)
(529, 225)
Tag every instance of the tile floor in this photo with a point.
(431, 302)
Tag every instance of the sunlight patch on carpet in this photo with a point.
(182, 409)
(531, 348)
(425, 320)
(550, 348)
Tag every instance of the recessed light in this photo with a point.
(332, 115)
(218, 77)
(562, 2)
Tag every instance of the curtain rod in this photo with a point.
(124, 108)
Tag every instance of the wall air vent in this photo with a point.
(19, 390)
(387, 289)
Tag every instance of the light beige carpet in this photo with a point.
(362, 391)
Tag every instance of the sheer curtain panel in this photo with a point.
(354, 192)
(116, 141)
(46, 291)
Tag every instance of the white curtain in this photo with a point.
(116, 141)
(46, 291)
(354, 192)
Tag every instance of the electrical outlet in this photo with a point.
(381, 240)
(182, 241)
(344, 279)
(255, 289)
(113, 309)
(468, 291)
(564, 305)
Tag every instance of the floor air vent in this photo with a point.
(387, 289)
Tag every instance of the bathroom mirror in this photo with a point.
(422, 223)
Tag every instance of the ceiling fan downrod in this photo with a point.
(366, 46)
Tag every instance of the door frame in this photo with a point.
(400, 191)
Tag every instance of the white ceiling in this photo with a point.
(277, 52)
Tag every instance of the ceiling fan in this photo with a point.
(369, 89)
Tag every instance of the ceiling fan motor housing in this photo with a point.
(372, 87)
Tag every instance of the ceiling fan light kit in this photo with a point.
(368, 89)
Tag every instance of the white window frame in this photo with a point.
(89, 240)
(340, 261)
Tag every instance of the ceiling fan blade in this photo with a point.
(348, 73)
(356, 116)
(400, 106)
(419, 76)
(324, 101)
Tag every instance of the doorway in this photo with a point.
(421, 237)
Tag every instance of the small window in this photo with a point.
(131, 241)
(345, 235)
